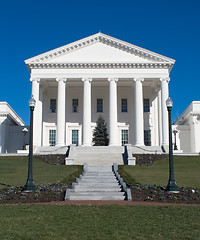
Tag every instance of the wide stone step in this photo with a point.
(108, 178)
(99, 173)
(96, 196)
(99, 176)
(89, 180)
(99, 169)
(97, 189)
(98, 184)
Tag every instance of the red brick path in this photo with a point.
(97, 202)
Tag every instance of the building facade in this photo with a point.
(11, 130)
(100, 75)
(186, 130)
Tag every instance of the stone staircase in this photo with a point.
(99, 155)
(98, 183)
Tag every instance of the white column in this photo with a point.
(160, 118)
(37, 114)
(139, 116)
(113, 134)
(164, 96)
(35, 88)
(60, 140)
(194, 133)
(87, 140)
(155, 127)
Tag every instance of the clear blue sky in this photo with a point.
(32, 27)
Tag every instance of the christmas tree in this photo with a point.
(100, 136)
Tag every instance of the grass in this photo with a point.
(99, 222)
(186, 171)
(13, 171)
(61, 222)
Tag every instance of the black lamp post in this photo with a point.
(30, 186)
(171, 187)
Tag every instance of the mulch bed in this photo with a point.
(53, 193)
(44, 193)
(153, 193)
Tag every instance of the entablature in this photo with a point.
(114, 65)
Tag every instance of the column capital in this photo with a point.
(61, 79)
(35, 79)
(138, 79)
(113, 79)
(87, 79)
(165, 79)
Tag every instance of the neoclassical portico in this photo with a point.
(100, 75)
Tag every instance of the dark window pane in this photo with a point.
(146, 105)
(99, 105)
(53, 105)
(124, 107)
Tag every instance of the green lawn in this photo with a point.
(13, 171)
(186, 171)
(22, 222)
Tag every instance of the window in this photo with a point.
(146, 105)
(99, 105)
(124, 137)
(124, 105)
(53, 105)
(147, 137)
(52, 137)
(75, 105)
(75, 137)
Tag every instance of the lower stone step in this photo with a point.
(96, 196)
(99, 177)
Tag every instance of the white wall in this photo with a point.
(11, 137)
(182, 137)
(189, 125)
(100, 90)
(16, 138)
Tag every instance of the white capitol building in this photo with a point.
(100, 75)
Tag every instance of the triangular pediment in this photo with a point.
(99, 48)
(97, 52)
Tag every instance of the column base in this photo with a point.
(86, 145)
(60, 145)
(113, 145)
(140, 144)
(172, 187)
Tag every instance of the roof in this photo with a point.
(100, 51)
(7, 111)
(192, 109)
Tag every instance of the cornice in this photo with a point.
(114, 65)
(7, 111)
(105, 39)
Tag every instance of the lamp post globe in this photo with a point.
(171, 186)
(30, 186)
